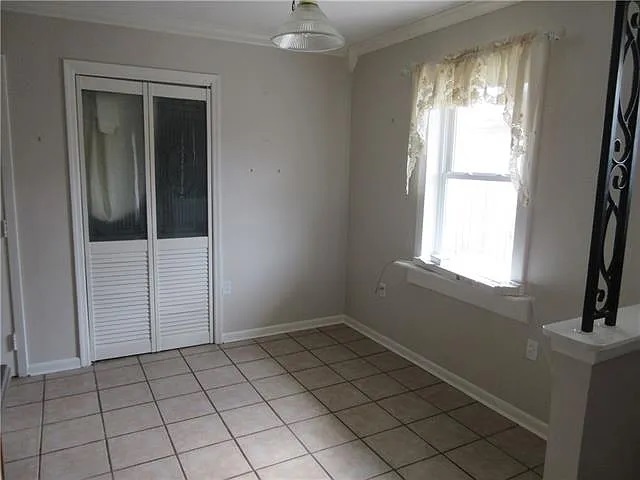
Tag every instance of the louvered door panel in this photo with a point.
(183, 292)
(119, 295)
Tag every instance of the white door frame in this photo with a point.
(13, 239)
(72, 68)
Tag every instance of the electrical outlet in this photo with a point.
(226, 287)
(532, 349)
(382, 289)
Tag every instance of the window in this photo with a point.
(472, 134)
(470, 202)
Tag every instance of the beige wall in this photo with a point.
(484, 348)
(284, 234)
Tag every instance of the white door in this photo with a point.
(145, 163)
(182, 215)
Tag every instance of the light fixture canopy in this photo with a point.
(307, 30)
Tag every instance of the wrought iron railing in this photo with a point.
(616, 175)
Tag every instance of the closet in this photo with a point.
(145, 162)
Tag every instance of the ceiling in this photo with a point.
(242, 21)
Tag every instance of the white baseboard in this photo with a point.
(54, 366)
(281, 328)
(504, 408)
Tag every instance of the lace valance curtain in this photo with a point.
(509, 73)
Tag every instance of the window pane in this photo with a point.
(181, 167)
(114, 158)
(478, 227)
(482, 140)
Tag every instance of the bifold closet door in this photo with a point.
(114, 163)
(180, 153)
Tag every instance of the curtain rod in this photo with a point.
(550, 34)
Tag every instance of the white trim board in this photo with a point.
(54, 366)
(504, 408)
(282, 328)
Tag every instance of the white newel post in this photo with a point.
(594, 425)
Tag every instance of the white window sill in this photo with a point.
(515, 307)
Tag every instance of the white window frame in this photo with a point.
(73, 69)
(435, 184)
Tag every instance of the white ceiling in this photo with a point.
(243, 21)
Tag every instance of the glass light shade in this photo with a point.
(308, 30)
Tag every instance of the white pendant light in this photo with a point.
(307, 30)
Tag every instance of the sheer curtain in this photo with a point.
(509, 73)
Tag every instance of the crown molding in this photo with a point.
(210, 33)
(434, 22)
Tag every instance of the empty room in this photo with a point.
(320, 240)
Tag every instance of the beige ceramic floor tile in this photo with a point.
(125, 396)
(481, 419)
(156, 357)
(294, 470)
(443, 432)
(198, 349)
(379, 386)
(365, 347)
(69, 385)
(344, 334)
(165, 368)
(251, 419)
(485, 462)
(21, 394)
(367, 419)
(21, 444)
(356, 368)
(439, 468)
(174, 386)
(76, 463)
(26, 469)
(163, 469)
(351, 461)
(115, 377)
(205, 361)
(334, 354)
(216, 462)
(247, 353)
(283, 346)
(66, 408)
(131, 419)
(21, 417)
(271, 446)
(295, 408)
(316, 340)
(198, 432)
(298, 361)
(445, 397)
(71, 433)
(318, 377)
(192, 405)
(278, 386)
(408, 407)
(400, 447)
(341, 396)
(220, 377)
(387, 361)
(266, 367)
(139, 447)
(115, 363)
(414, 377)
(522, 445)
(234, 396)
(322, 432)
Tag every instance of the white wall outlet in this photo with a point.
(532, 349)
(382, 289)
(226, 287)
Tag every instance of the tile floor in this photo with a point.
(318, 404)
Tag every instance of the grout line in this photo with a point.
(166, 430)
(44, 390)
(233, 438)
(104, 429)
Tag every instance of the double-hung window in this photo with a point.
(473, 131)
